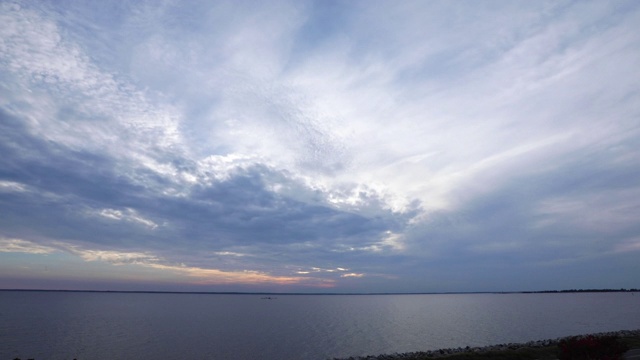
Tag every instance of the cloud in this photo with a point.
(24, 246)
(376, 143)
(200, 276)
(217, 277)
(11, 186)
(54, 78)
(628, 246)
(353, 275)
(112, 257)
(243, 209)
(127, 215)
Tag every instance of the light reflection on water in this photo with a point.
(45, 325)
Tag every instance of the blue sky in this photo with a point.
(363, 146)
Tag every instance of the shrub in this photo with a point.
(591, 347)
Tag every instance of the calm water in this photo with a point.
(51, 325)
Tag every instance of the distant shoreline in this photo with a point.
(570, 291)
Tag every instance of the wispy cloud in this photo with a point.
(24, 246)
(127, 215)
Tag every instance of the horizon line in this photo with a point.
(328, 293)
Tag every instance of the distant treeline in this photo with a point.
(579, 291)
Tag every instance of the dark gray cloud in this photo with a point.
(85, 198)
(537, 229)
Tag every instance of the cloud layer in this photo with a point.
(295, 146)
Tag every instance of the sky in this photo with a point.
(320, 146)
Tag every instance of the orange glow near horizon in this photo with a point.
(195, 275)
(220, 277)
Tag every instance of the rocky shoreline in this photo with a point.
(484, 349)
